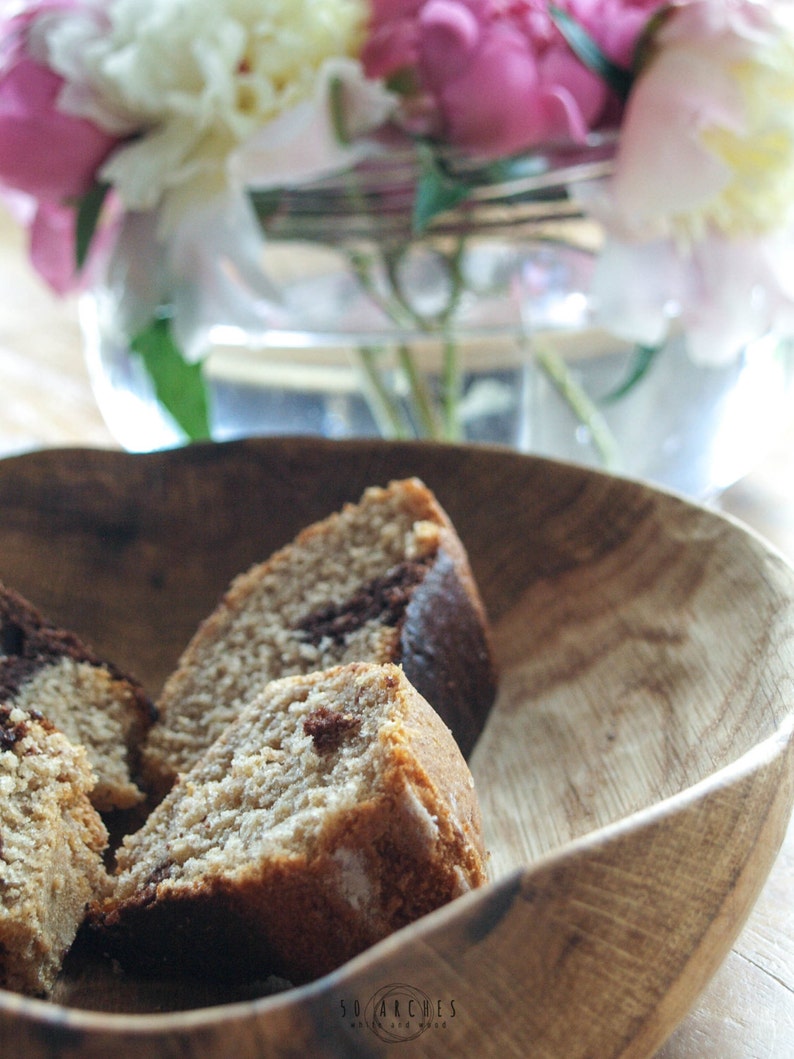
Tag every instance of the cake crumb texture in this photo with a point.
(51, 845)
(51, 671)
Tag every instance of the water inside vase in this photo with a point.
(480, 333)
(691, 428)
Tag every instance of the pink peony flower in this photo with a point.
(45, 153)
(498, 74)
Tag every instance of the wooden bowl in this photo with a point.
(636, 774)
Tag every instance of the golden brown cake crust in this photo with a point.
(406, 842)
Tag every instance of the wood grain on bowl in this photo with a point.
(636, 773)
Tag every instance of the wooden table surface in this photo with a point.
(747, 1011)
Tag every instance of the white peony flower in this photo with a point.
(699, 215)
(194, 80)
(708, 137)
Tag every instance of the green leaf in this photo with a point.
(88, 212)
(404, 82)
(179, 386)
(436, 190)
(336, 94)
(644, 357)
(583, 45)
(266, 203)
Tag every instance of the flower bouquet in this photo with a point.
(165, 146)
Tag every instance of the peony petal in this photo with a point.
(746, 293)
(52, 247)
(493, 109)
(636, 290)
(303, 144)
(664, 170)
(214, 262)
(449, 33)
(44, 152)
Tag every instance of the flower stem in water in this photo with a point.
(380, 397)
(452, 390)
(580, 404)
(417, 386)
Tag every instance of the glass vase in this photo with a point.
(480, 328)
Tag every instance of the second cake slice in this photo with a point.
(384, 580)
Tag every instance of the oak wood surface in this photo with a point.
(747, 1009)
